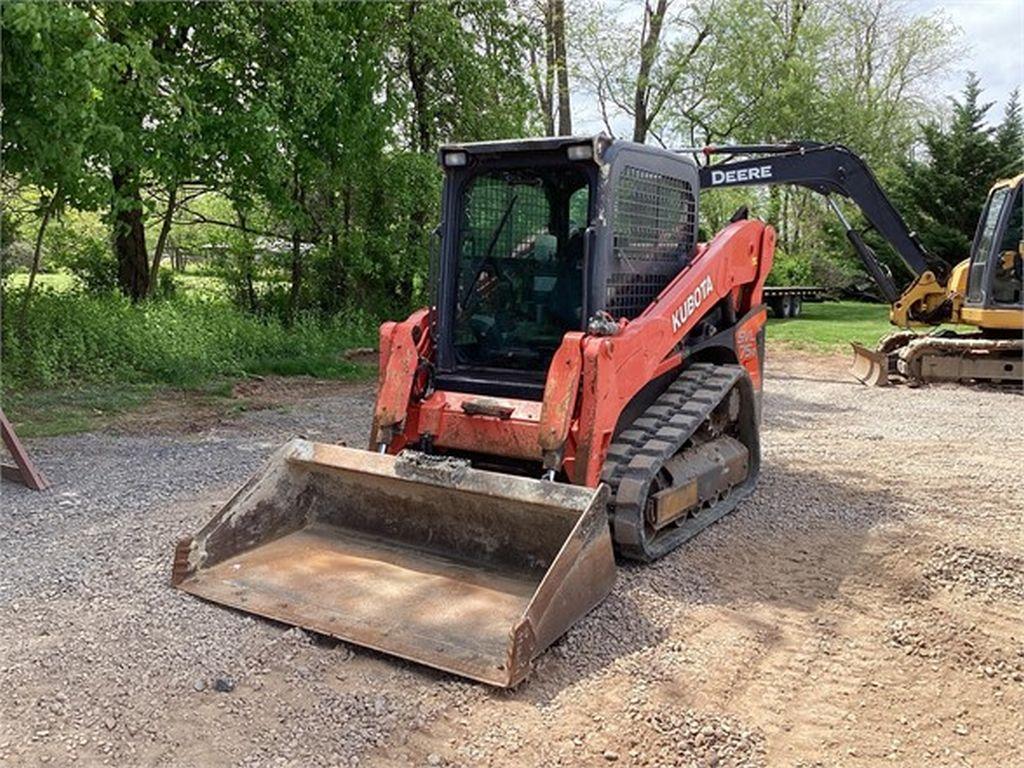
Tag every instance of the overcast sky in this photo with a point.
(993, 47)
(993, 36)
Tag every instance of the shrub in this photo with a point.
(72, 337)
(790, 269)
(85, 255)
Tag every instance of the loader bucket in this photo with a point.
(468, 571)
(870, 367)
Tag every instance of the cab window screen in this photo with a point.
(1008, 273)
(976, 291)
(655, 233)
(520, 271)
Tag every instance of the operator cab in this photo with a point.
(996, 276)
(527, 253)
(520, 265)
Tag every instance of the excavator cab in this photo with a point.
(994, 279)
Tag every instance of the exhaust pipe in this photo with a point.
(422, 557)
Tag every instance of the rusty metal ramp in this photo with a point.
(469, 571)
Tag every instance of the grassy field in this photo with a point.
(830, 326)
(190, 282)
(78, 360)
(63, 411)
(55, 281)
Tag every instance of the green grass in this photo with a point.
(50, 412)
(831, 325)
(79, 359)
(319, 367)
(84, 408)
(70, 338)
(194, 283)
(61, 282)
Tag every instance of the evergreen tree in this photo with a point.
(943, 194)
(1010, 137)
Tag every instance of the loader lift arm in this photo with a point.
(829, 169)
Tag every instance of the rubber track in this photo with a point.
(639, 452)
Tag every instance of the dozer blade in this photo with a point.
(870, 367)
(469, 571)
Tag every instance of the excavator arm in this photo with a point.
(832, 169)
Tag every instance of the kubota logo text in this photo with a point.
(741, 174)
(694, 300)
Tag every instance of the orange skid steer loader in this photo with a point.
(586, 381)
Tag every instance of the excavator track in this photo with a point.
(940, 358)
(681, 418)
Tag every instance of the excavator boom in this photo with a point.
(937, 294)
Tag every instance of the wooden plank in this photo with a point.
(25, 472)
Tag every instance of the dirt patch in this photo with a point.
(195, 412)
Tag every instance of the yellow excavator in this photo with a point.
(983, 292)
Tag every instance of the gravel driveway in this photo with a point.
(865, 606)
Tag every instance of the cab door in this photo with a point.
(994, 277)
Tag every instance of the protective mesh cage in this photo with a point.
(654, 234)
(490, 199)
(519, 277)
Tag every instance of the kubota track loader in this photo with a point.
(587, 380)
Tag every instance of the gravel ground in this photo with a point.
(864, 606)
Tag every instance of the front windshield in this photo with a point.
(520, 273)
(990, 220)
(1008, 276)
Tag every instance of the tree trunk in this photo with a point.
(334, 235)
(543, 96)
(36, 255)
(420, 138)
(648, 53)
(130, 236)
(296, 287)
(161, 240)
(546, 89)
(561, 65)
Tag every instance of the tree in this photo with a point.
(141, 108)
(456, 74)
(856, 72)
(944, 193)
(51, 64)
(634, 66)
(1009, 137)
(549, 66)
